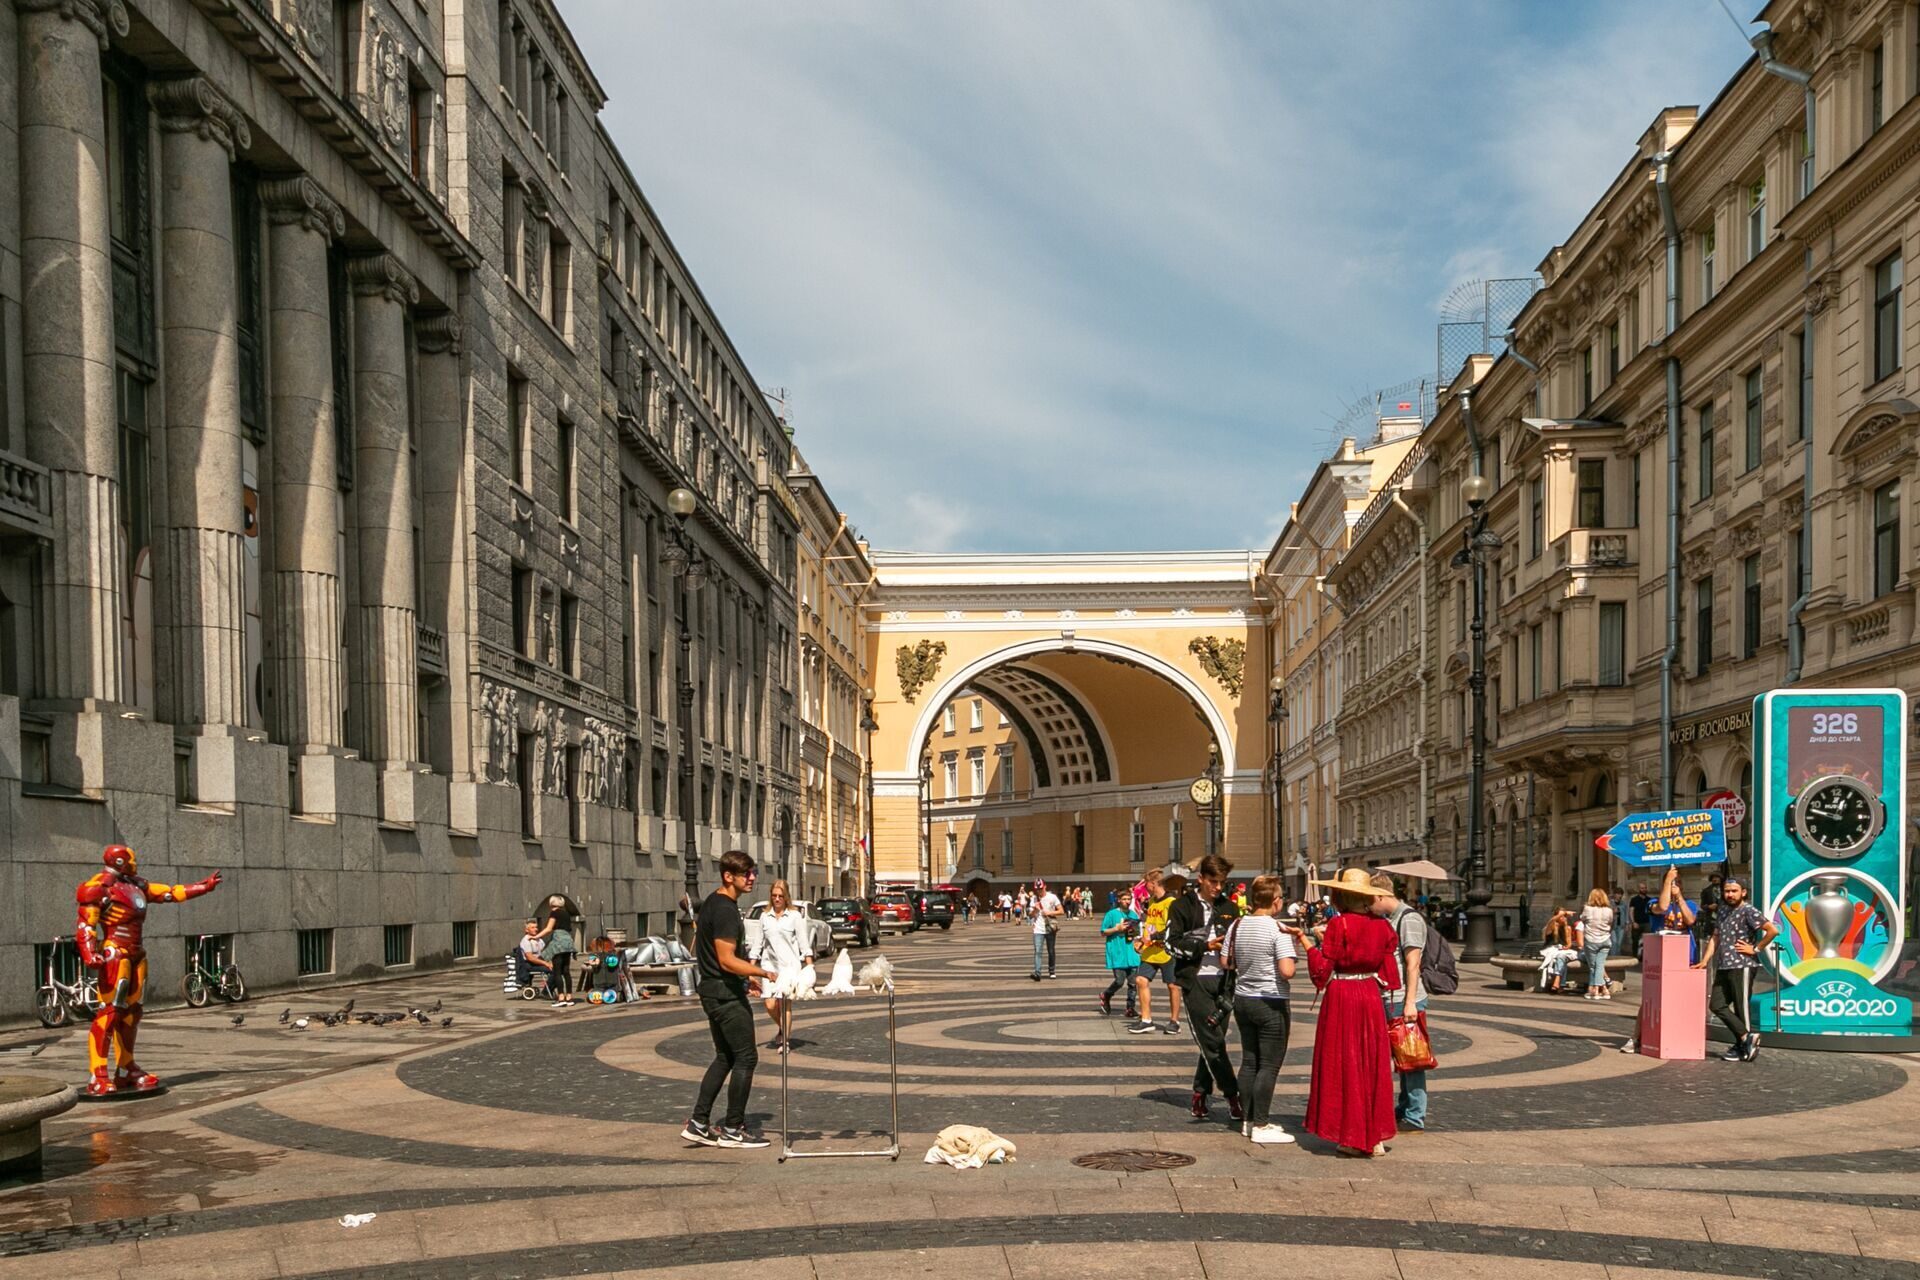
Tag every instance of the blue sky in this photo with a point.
(1104, 274)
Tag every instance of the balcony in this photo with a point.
(1873, 626)
(1585, 549)
(26, 504)
(430, 649)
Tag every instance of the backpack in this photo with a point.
(1439, 975)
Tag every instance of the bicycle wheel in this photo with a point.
(194, 990)
(233, 987)
(51, 1007)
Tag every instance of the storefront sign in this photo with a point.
(1729, 803)
(1712, 727)
(1677, 838)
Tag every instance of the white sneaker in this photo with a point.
(1270, 1135)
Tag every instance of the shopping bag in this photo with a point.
(1412, 1051)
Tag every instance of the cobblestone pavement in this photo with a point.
(523, 1141)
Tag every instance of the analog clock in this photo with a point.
(1837, 816)
(1204, 791)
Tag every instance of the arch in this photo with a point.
(923, 725)
(1872, 420)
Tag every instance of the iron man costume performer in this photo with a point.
(113, 915)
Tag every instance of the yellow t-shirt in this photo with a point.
(1156, 926)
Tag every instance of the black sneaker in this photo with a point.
(1106, 1004)
(1141, 1029)
(1735, 1054)
(700, 1134)
(1752, 1049)
(740, 1139)
(1172, 1028)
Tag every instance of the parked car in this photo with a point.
(819, 933)
(895, 912)
(934, 908)
(852, 920)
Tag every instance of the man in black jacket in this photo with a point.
(1195, 927)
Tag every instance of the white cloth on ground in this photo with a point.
(966, 1146)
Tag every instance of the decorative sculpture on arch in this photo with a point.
(917, 665)
(1224, 660)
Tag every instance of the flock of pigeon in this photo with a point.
(798, 984)
(346, 1014)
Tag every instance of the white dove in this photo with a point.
(841, 984)
(803, 983)
(877, 974)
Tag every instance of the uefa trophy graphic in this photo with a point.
(1829, 915)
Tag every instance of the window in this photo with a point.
(947, 719)
(977, 843)
(1137, 843)
(419, 127)
(1756, 219)
(1586, 376)
(1559, 653)
(1593, 493)
(1006, 848)
(1703, 471)
(1702, 626)
(1798, 577)
(950, 769)
(1176, 841)
(465, 939)
(569, 472)
(524, 778)
(974, 721)
(1634, 514)
(1613, 644)
(559, 281)
(1877, 89)
(1750, 606)
(1801, 358)
(1886, 316)
(1536, 661)
(347, 18)
(314, 951)
(523, 639)
(520, 424)
(1006, 775)
(1755, 402)
(1806, 154)
(513, 231)
(1536, 517)
(1613, 350)
(576, 799)
(1886, 538)
(570, 634)
(397, 945)
(977, 767)
(1706, 237)
(563, 130)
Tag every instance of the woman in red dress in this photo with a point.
(1350, 1101)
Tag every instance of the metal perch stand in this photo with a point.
(892, 1150)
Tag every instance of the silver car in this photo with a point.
(819, 932)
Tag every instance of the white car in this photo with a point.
(819, 932)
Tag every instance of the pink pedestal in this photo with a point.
(1673, 998)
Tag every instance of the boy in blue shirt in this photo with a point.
(1118, 927)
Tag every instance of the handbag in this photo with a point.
(1412, 1051)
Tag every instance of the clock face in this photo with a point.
(1203, 791)
(1837, 816)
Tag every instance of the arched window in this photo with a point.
(1603, 790)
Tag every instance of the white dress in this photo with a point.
(782, 945)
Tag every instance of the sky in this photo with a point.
(1085, 275)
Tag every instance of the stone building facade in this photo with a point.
(835, 577)
(345, 371)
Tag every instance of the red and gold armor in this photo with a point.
(113, 915)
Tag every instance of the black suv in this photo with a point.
(933, 908)
(850, 919)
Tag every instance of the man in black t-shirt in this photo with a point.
(727, 981)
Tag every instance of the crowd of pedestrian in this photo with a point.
(1023, 904)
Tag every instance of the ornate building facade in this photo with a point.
(346, 371)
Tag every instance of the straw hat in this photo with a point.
(1353, 880)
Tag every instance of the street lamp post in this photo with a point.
(1216, 810)
(689, 569)
(1277, 717)
(1477, 541)
(926, 818)
(867, 726)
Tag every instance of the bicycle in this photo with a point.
(56, 1002)
(202, 982)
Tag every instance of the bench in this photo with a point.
(1522, 972)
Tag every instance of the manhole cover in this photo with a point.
(1137, 1160)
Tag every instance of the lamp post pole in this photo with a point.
(1478, 540)
(926, 819)
(689, 570)
(1277, 717)
(867, 725)
(1217, 809)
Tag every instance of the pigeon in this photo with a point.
(436, 1007)
(877, 975)
(285, 1016)
(299, 1024)
(237, 1019)
(421, 1018)
(446, 1022)
(364, 1018)
(841, 984)
(347, 1008)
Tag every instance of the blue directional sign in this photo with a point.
(1671, 838)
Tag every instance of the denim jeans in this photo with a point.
(1123, 979)
(1043, 950)
(1595, 959)
(1411, 1107)
(1263, 1022)
(730, 1022)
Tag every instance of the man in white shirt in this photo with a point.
(1046, 912)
